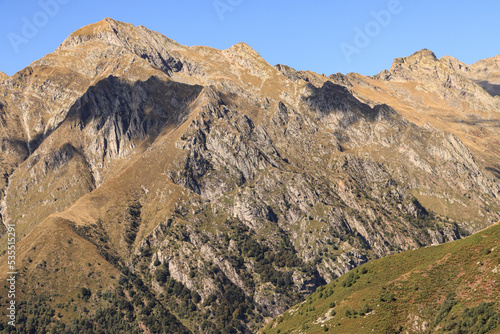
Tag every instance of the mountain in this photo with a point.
(486, 73)
(148, 180)
(450, 288)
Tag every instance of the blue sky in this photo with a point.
(324, 36)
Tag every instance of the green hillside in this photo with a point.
(450, 288)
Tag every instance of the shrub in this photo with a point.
(85, 294)
(161, 275)
(445, 308)
(364, 310)
(350, 280)
(480, 319)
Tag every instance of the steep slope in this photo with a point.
(209, 187)
(451, 288)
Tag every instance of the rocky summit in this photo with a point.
(156, 187)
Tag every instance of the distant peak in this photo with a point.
(454, 63)
(3, 75)
(420, 57)
(239, 47)
(424, 53)
(493, 62)
(109, 19)
(244, 50)
(242, 45)
(447, 58)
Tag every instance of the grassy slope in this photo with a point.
(404, 291)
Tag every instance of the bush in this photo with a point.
(162, 274)
(364, 310)
(85, 294)
(480, 319)
(445, 308)
(350, 280)
(195, 297)
(387, 297)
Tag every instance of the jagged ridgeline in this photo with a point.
(156, 187)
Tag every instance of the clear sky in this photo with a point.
(324, 36)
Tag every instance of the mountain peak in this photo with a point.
(243, 49)
(106, 30)
(487, 65)
(247, 57)
(454, 64)
(118, 33)
(486, 73)
(103, 26)
(422, 56)
(242, 45)
(3, 76)
(424, 53)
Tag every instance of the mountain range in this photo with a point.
(156, 187)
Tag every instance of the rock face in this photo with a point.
(219, 190)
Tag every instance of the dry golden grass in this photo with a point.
(53, 259)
